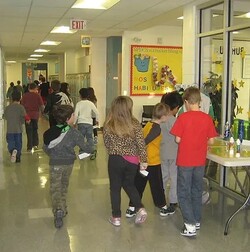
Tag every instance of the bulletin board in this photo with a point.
(154, 69)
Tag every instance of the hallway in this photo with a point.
(26, 221)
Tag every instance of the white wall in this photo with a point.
(170, 36)
(98, 74)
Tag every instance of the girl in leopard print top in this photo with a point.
(125, 145)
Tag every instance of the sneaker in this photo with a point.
(197, 225)
(58, 221)
(83, 155)
(170, 210)
(95, 140)
(18, 159)
(13, 156)
(141, 216)
(188, 230)
(130, 213)
(93, 155)
(116, 221)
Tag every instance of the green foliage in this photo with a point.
(213, 87)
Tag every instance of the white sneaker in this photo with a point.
(116, 221)
(141, 216)
(188, 230)
(13, 156)
(83, 155)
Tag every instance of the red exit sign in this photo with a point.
(78, 24)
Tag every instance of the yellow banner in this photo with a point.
(155, 69)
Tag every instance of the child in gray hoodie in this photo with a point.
(59, 143)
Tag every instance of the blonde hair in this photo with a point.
(192, 95)
(160, 110)
(120, 119)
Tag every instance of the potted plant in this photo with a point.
(213, 87)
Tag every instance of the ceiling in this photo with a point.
(24, 24)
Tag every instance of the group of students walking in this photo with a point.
(168, 148)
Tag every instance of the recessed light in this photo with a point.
(11, 61)
(180, 17)
(96, 4)
(235, 32)
(32, 59)
(62, 29)
(36, 55)
(48, 42)
(41, 50)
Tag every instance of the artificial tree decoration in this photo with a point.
(213, 87)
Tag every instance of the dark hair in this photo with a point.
(18, 82)
(12, 84)
(84, 93)
(62, 113)
(32, 86)
(64, 88)
(36, 81)
(16, 95)
(42, 78)
(173, 100)
(91, 95)
(56, 85)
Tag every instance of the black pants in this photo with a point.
(156, 185)
(122, 175)
(32, 134)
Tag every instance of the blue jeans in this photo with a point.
(14, 141)
(87, 131)
(189, 191)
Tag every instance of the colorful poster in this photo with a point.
(155, 69)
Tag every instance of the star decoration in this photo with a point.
(218, 87)
(216, 123)
(241, 83)
(235, 83)
(239, 110)
(243, 54)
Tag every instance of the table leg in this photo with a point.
(247, 201)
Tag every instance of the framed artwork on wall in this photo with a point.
(154, 69)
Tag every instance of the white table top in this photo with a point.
(217, 153)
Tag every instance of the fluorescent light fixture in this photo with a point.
(48, 42)
(246, 15)
(41, 50)
(94, 4)
(215, 15)
(235, 32)
(11, 61)
(180, 17)
(32, 59)
(36, 55)
(62, 29)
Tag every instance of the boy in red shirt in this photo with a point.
(193, 130)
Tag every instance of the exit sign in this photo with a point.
(78, 24)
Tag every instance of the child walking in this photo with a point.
(59, 143)
(93, 99)
(169, 149)
(193, 130)
(15, 116)
(124, 142)
(152, 136)
(83, 117)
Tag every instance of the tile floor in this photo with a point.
(26, 221)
